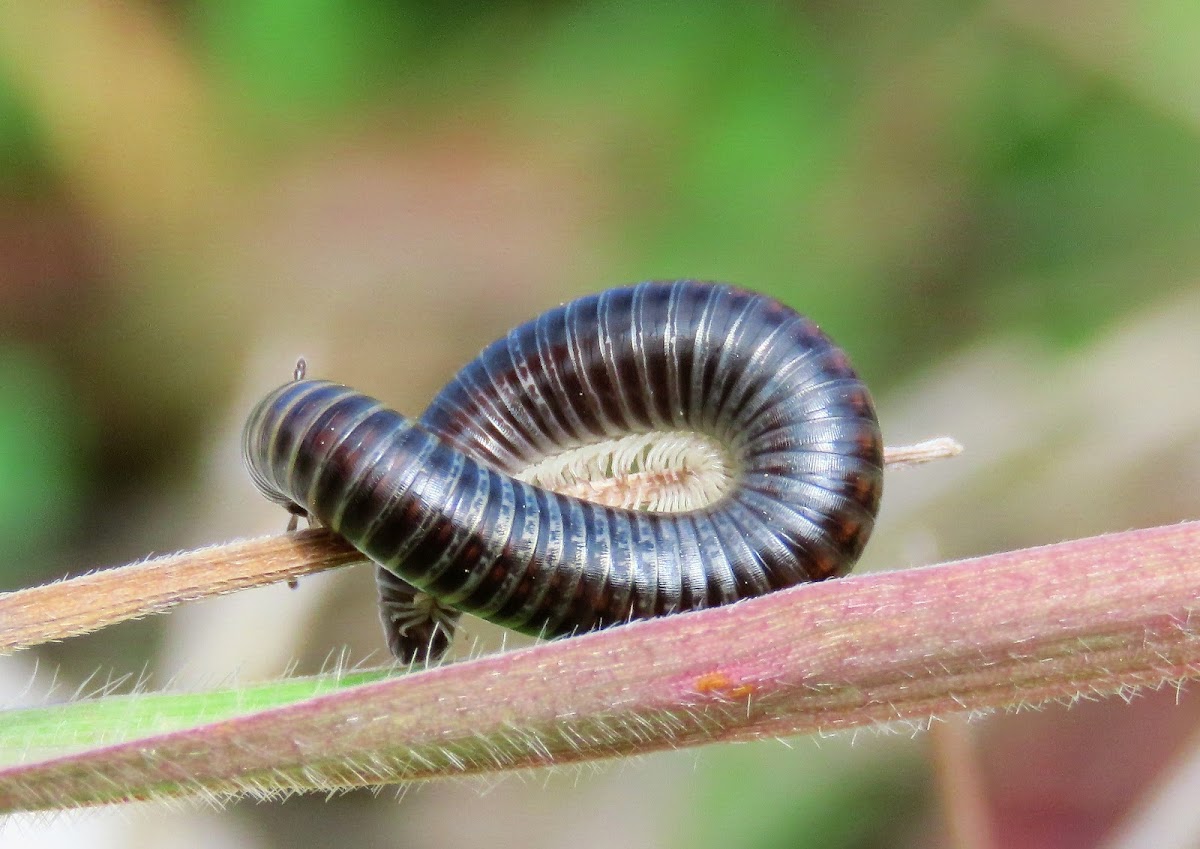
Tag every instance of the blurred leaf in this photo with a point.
(22, 147)
(1078, 180)
(801, 797)
(727, 117)
(295, 60)
(39, 458)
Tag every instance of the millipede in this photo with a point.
(447, 508)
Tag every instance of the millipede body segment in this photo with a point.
(438, 505)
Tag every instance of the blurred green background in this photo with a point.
(994, 207)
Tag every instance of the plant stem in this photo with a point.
(79, 605)
(1075, 620)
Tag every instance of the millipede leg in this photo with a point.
(417, 626)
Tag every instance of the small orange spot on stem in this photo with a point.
(712, 682)
(718, 683)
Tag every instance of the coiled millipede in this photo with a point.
(696, 373)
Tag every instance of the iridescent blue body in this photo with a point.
(435, 504)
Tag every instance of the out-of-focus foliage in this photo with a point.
(40, 431)
(22, 157)
(993, 206)
(282, 64)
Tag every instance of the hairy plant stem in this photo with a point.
(1083, 619)
(98, 599)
